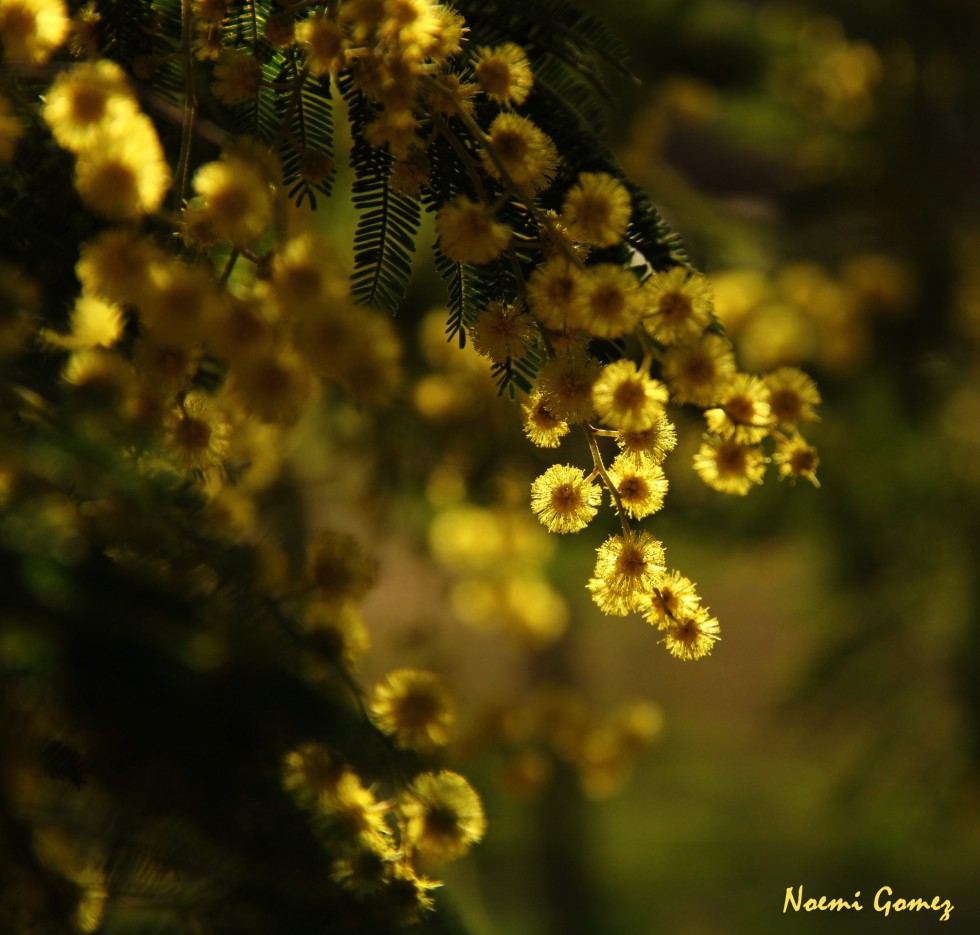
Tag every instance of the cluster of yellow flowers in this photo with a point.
(563, 305)
(199, 352)
(381, 844)
(435, 819)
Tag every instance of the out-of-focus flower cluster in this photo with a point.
(802, 314)
(557, 725)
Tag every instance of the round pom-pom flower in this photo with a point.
(691, 635)
(612, 303)
(86, 101)
(237, 204)
(796, 458)
(627, 398)
(640, 483)
(416, 708)
(541, 427)
(729, 466)
(565, 383)
(525, 152)
(597, 209)
(564, 499)
(676, 597)
(504, 73)
(793, 396)
(468, 233)
(680, 303)
(126, 175)
(743, 412)
(627, 569)
(445, 816)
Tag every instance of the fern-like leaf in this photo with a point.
(384, 240)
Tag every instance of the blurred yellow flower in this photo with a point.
(445, 816)
(416, 708)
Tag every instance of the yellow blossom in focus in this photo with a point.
(692, 635)
(743, 413)
(640, 483)
(564, 499)
(627, 398)
(680, 305)
(541, 427)
(729, 466)
(675, 598)
(627, 569)
(657, 441)
(793, 396)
